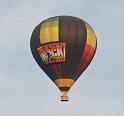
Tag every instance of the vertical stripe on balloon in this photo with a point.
(49, 30)
(88, 51)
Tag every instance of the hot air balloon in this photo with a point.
(63, 47)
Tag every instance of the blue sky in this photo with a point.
(25, 90)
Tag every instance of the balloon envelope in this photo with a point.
(63, 47)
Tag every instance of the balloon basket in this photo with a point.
(64, 98)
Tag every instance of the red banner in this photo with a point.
(52, 53)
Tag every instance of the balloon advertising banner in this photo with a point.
(51, 53)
